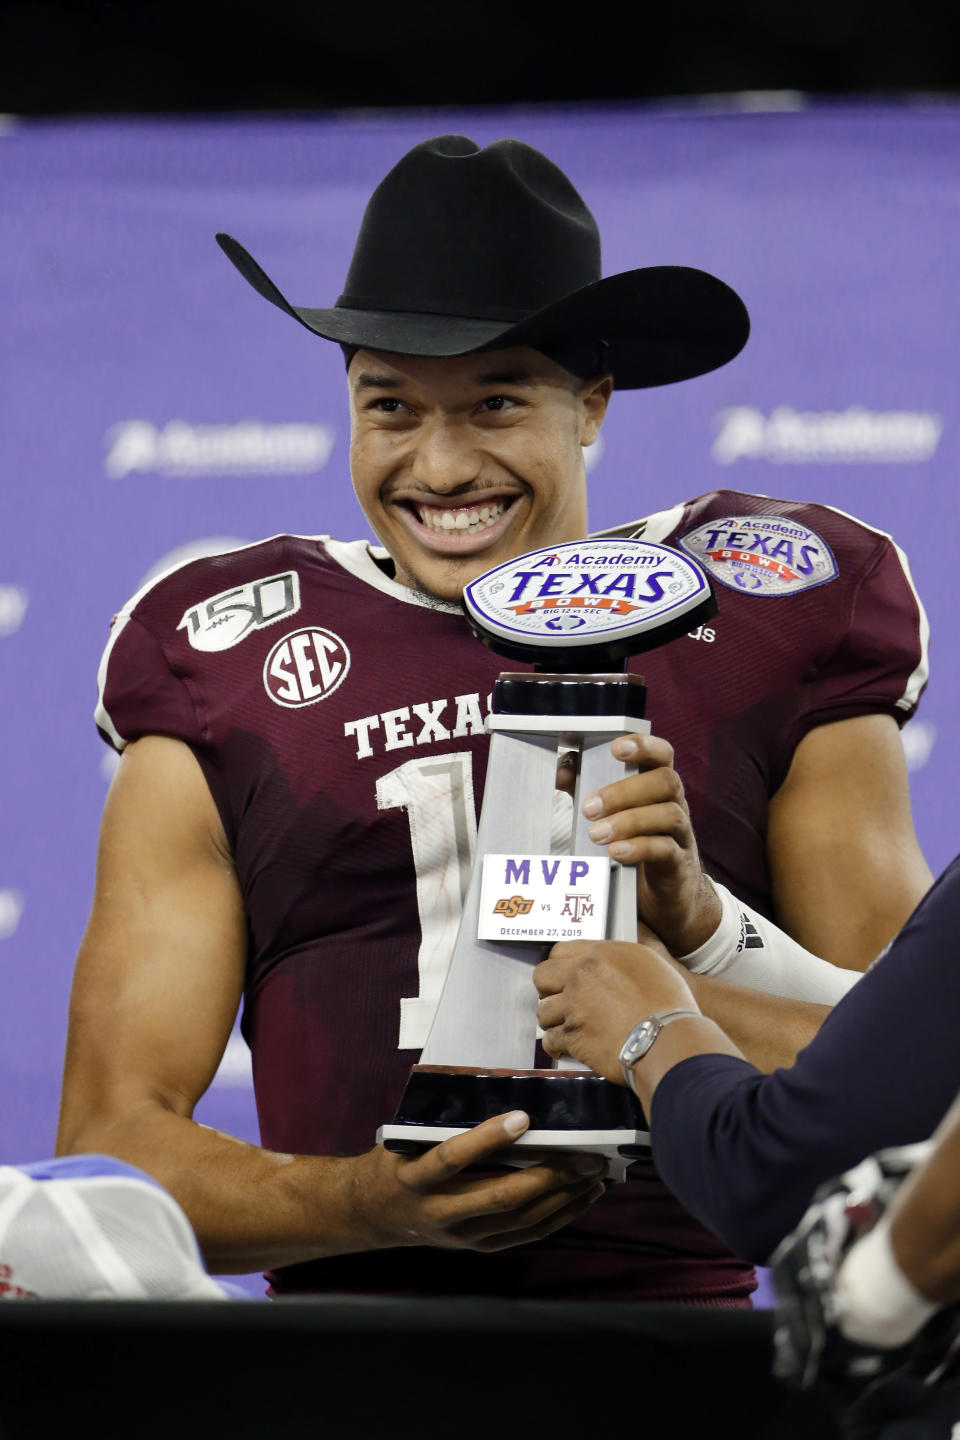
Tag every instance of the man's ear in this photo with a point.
(594, 399)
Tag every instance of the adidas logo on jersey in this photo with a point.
(750, 937)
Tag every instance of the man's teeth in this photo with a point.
(467, 519)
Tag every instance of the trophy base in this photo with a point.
(569, 1111)
(619, 1147)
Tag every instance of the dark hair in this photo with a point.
(584, 358)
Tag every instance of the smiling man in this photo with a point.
(301, 724)
(463, 464)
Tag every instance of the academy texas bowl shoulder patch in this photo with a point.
(762, 554)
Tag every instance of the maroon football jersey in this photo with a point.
(338, 719)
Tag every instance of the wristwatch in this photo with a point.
(642, 1036)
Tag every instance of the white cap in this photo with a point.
(89, 1227)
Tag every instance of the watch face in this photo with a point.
(640, 1041)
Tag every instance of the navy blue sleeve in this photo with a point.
(745, 1151)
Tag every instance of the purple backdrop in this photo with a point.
(152, 402)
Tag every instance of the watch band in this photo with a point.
(642, 1036)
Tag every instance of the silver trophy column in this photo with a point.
(487, 1010)
(480, 1054)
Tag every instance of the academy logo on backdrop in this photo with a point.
(246, 448)
(819, 437)
(305, 666)
(762, 554)
(13, 607)
(225, 619)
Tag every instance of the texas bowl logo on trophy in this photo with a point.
(576, 611)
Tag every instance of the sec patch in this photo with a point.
(762, 554)
(305, 666)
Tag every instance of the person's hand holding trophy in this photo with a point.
(576, 612)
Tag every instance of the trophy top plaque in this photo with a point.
(585, 602)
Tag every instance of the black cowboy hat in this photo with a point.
(464, 249)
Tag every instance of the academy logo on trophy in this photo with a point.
(576, 612)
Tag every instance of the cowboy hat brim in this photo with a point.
(661, 324)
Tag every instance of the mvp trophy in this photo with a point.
(576, 612)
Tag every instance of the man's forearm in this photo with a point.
(251, 1209)
(254, 1209)
(769, 1029)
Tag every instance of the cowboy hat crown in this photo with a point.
(463, 249)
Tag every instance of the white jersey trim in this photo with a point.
(101, 715)
(655, 527)
(359, 558)
(921, 674)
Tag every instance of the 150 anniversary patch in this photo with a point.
(223, 620)
(762, 554)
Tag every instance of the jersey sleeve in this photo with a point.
(880, 661)
(139, 691)
(827, 589)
